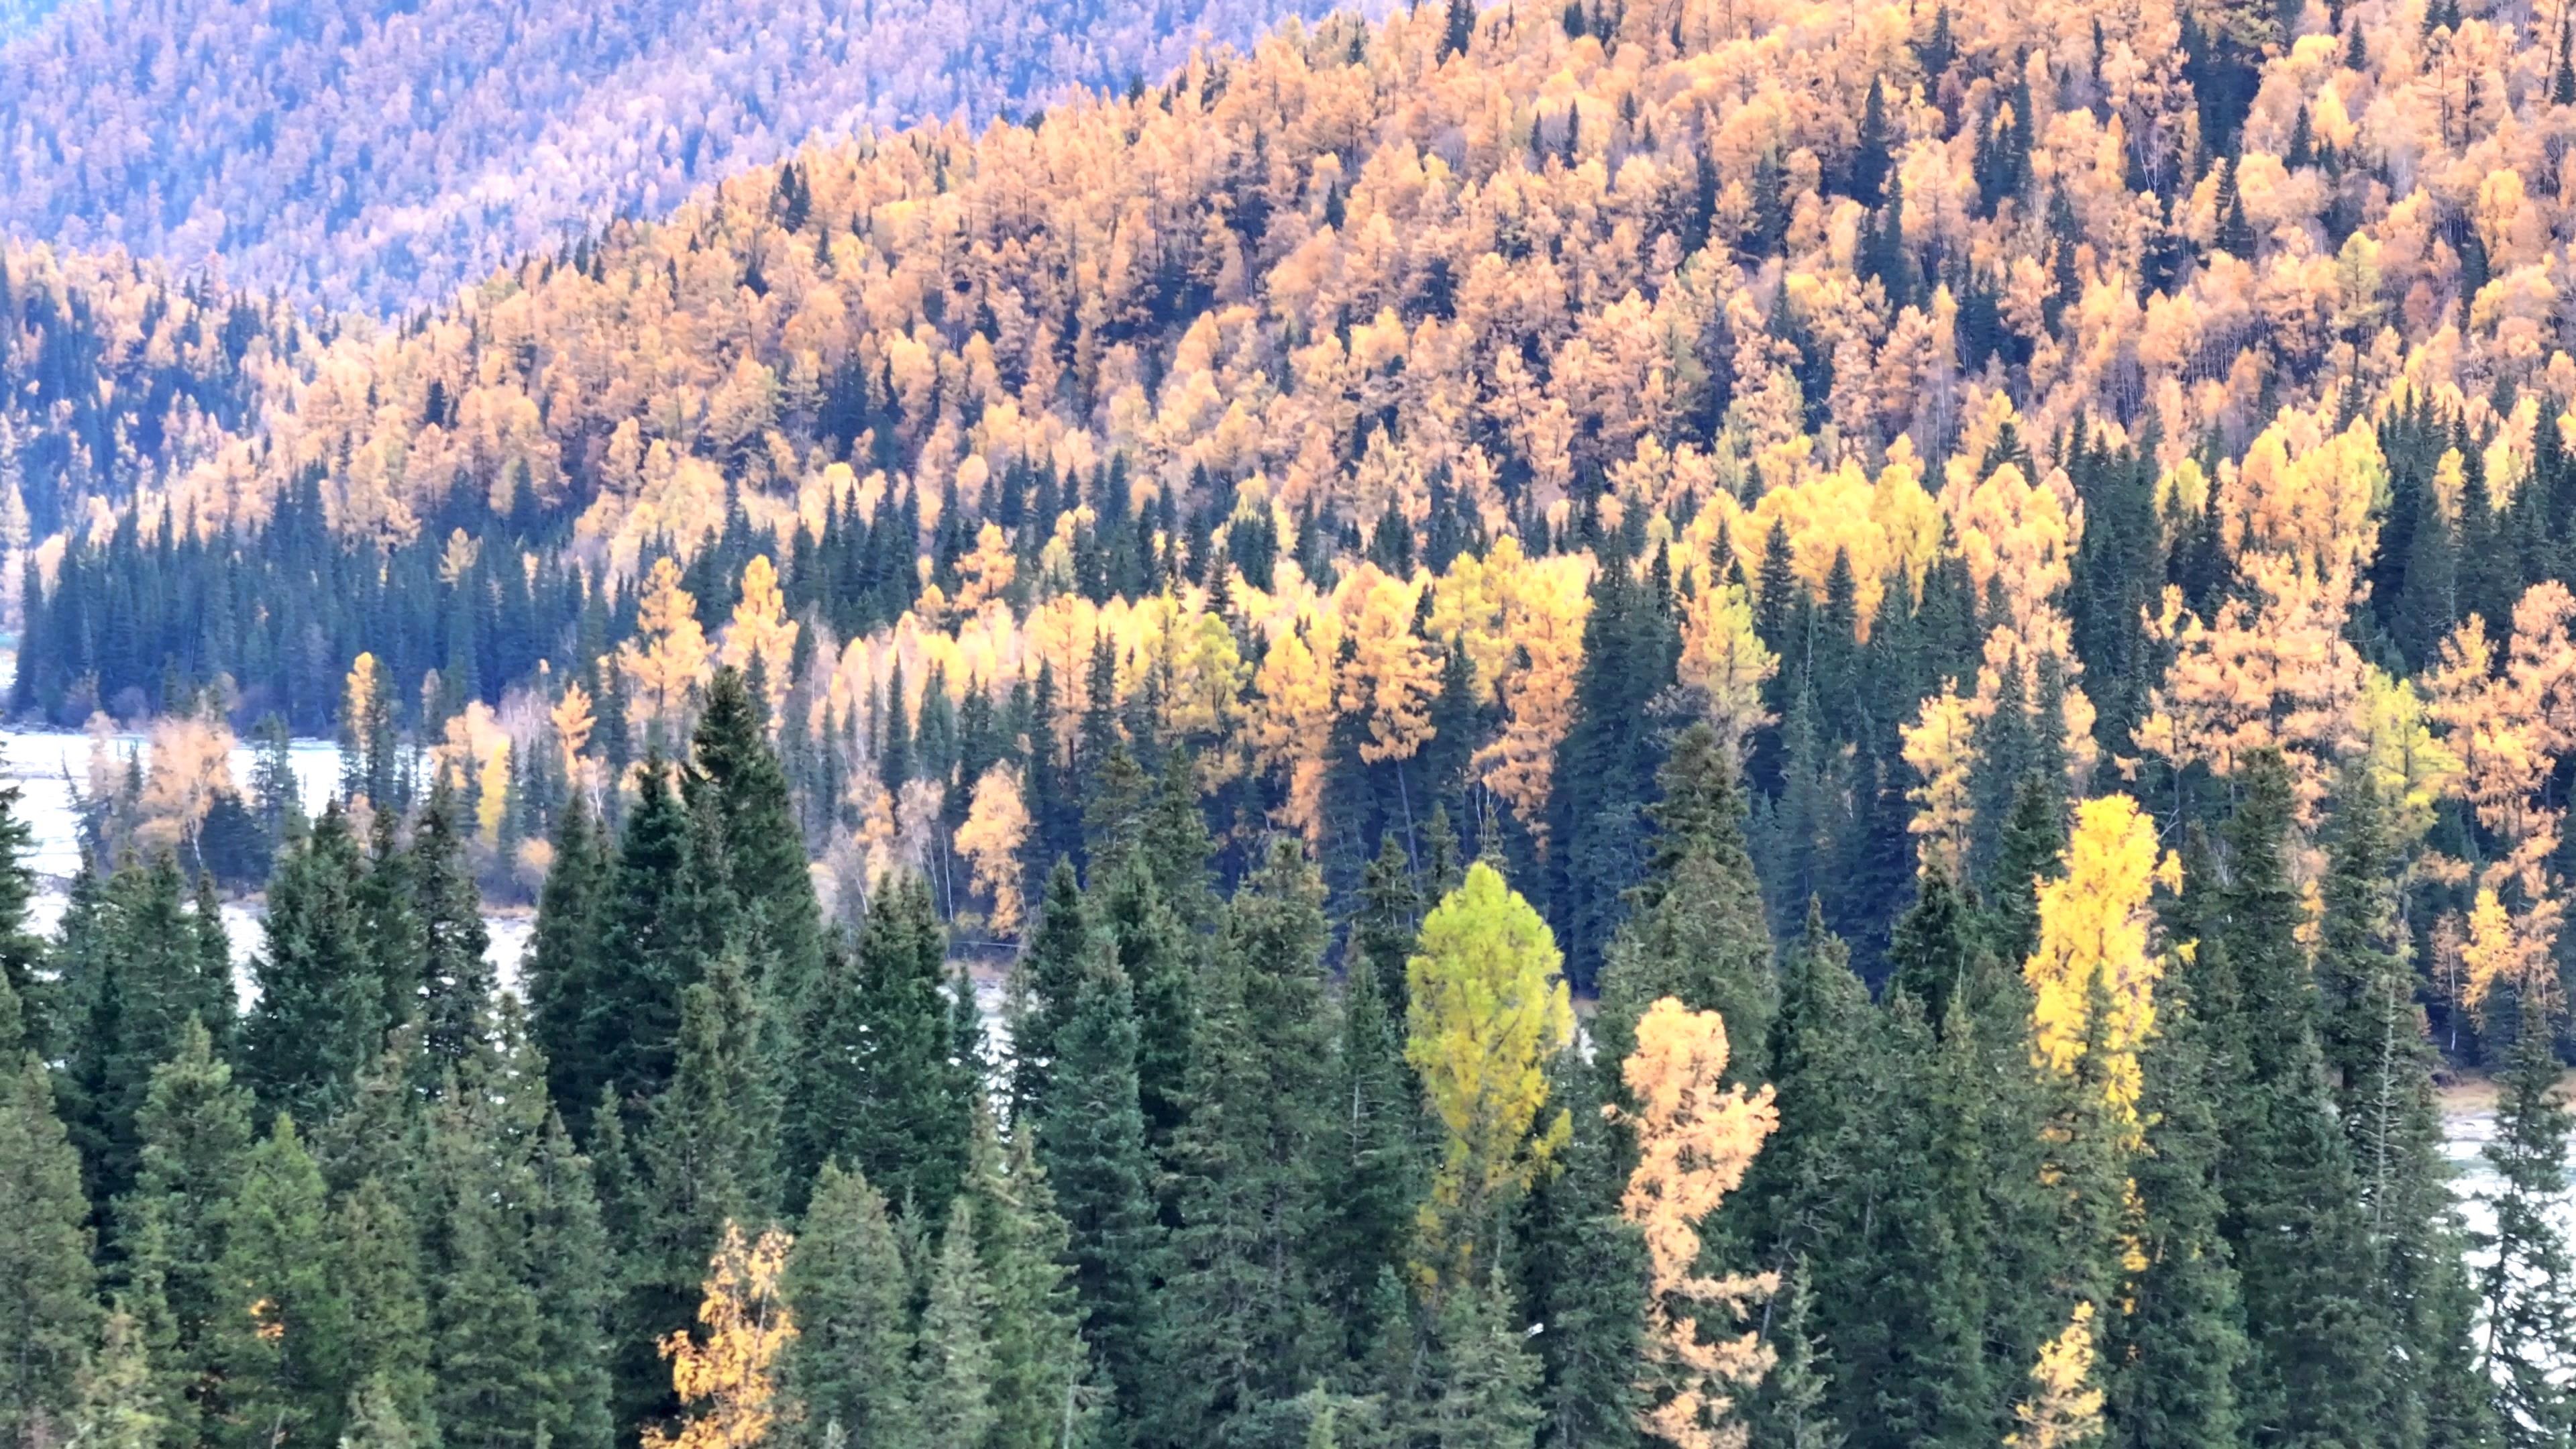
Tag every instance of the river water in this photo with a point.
(48, 766)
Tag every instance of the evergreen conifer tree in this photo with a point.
(46, 1282)
(319, 1020)
(850, 1368)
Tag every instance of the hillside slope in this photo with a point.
(373, 155)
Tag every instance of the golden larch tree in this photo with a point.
(723, 1375)
(2093, 925)
(997, 822)
(2065, 1404)
(1695, 1137)
(761, 629)
(1942, 748)
(667, 658)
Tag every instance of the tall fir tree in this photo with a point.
(2317, 1372)
(874, 1081)
(1697, 930)
(849, 1370)
(735, 778)
(47, 1286)
(318, 1020)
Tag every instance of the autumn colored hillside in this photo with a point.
(1991, 583)
(1408, 410)
(376, 157)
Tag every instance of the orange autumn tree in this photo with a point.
(667, 658)
(761, 629)
(997, 821)
(725, 1376)
(1695, 1139)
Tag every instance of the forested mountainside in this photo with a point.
(1991, 587)
(377, 156)
(112, 377)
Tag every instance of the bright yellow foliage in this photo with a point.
(1695, 1139)
(1726, 661)
(2093, 923)
(996, 824)
(1543, 609)
(1941, 746)
(761, 629)
(1489, 1011)
(1292, 719)
(723, 1377)
(1393, 672)
(667, 658)
(573, 724)
(2065, 1405)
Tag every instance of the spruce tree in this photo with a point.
(456, 983)
(874, 1083)
(1043, 983)
(1091, 1144)
(374, 1262)
(46, 1285)
(563, 966)
(121, 1405)
(2176, 1352)
(651, 945)
(135, 978)
(515, 1260)
(1261, 1080)
(705, 1156)
(1796, 1193)
(849, 1369)
(1158, 955)
(1040, 1372)
(2381, 1060)
(1584, 1272)
(1696, 931)
(2530, 1312)
(284, 1359)
(953, 1385)
(319, 1018)
(735, 778)
(1371, 1171)
(1487, 1382)
(173, 1228)
(2320, 1352)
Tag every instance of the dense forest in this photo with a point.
(378, 156)
(1748, 724)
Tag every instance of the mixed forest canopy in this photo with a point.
(1082, 701)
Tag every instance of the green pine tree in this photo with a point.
(456, 983)
(1697, 930)
(849, 1369)
(46, 1284)
(319, 1019)
(172, 1229)
(2530, 1313)
(953, 1384)
(735, 777)
(282, 1340)
(705, 1156)
(1092, 1144)
(875, 1083)
(563, 965)
(2318, 1368)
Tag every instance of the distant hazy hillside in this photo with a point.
(373, 153)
